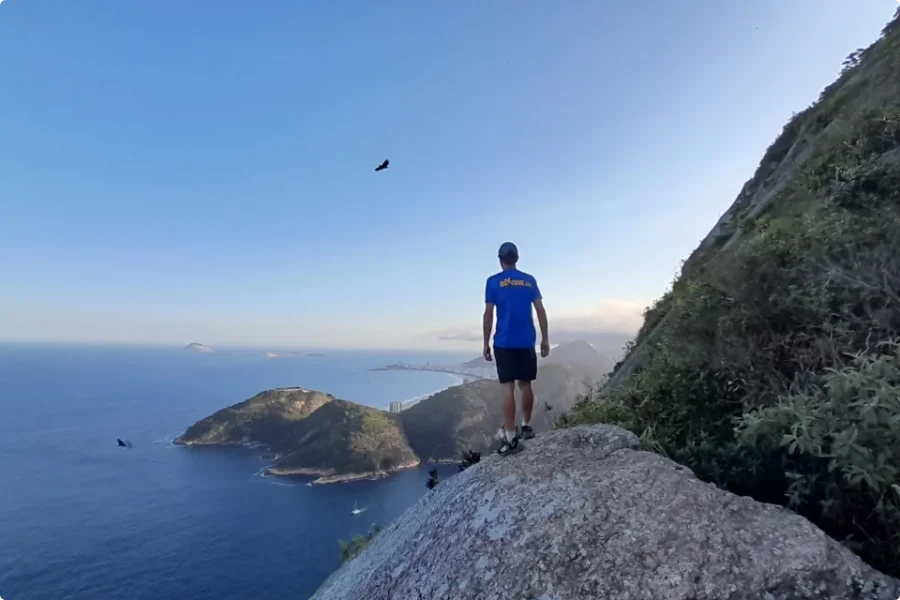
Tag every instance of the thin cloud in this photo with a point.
(458, 335)
(608, 316)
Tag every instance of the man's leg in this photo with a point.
(509, 406)
(509, 440)
(506, 375)
(527, 395)
(528, 374)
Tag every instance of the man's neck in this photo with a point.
(508, 267)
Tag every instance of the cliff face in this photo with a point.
(772, 366)
(582, 514)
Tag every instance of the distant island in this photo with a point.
(195, 347)
(314, 434)
(294, 355)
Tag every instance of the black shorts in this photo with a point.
(516, 364)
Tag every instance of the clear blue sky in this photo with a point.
(172, 171)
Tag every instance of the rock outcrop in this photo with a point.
(583, 514)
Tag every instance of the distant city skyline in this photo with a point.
(206, 171)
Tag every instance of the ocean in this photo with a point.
(83, 519)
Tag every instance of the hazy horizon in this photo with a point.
(205, 172)
(605, 343)
(229, 348)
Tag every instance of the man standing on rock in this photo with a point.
(513, 293)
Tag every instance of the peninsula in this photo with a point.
(314, 434)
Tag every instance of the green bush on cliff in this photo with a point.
(839, 441)
(775, 370)
(469, 458)
(357, 543)
(433, 479)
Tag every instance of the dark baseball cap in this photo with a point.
(508, 250)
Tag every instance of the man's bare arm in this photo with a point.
(487, 323)
(542, 319)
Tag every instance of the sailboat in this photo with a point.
(355, 510)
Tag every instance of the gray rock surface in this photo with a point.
(581, 513)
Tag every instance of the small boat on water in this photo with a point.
(355, 510)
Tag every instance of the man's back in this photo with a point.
(513, 292)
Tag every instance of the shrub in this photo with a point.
(357, 543)
(852, 60)
(432, 479)
(893, 24)
(469, 458)
(838, 439)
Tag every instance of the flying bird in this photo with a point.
(122, 443)
(382, 166)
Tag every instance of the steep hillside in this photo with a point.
(466, 417)
(772, 367)
(267, 417)
(578, 353)
(343, 440)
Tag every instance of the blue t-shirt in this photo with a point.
(513, 293)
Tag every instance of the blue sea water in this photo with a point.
(81, 518)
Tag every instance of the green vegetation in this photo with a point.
(773, 366)
(357, 543)
(267, 416)
(469, 458)
(433, 479)
(840, 437)
(346, 439)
